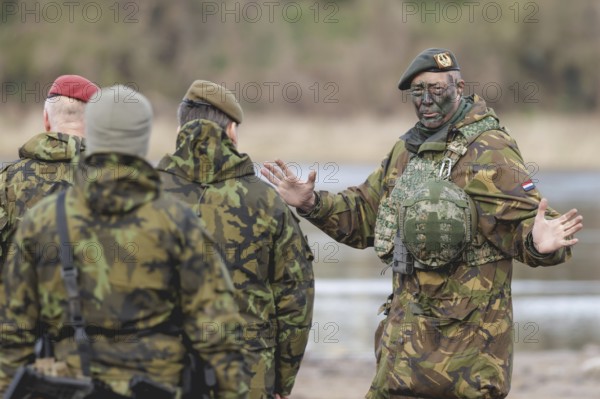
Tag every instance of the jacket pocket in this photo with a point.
(444, 354)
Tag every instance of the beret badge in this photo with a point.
(443, 60)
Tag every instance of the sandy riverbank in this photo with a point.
(559, 374)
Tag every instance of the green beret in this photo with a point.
(203, 91)
(430, 60)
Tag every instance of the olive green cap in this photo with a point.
(430, 60)
(203, 91)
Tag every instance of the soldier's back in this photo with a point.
(46, 166)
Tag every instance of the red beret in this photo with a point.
(73, 86)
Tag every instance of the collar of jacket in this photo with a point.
(52, 146)
(438, 140)
(206, 155)
(113, 183)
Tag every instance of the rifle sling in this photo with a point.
(69, 275)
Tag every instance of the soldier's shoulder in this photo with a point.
(256, 183)
(398, 147)
(262, 192)
(495, 139)
(41, 211)
(172, 207)
(9, 166)
(395, 158)
(27, 167)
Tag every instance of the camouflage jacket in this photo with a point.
(46, 165)
(144, 264)
(264, 248)
(450, 331)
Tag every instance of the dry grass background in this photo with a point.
(552, 141)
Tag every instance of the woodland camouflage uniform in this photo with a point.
(142, 258)
(264, 249)
(46, 165)
(449, 330)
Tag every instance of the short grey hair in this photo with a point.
(189, 111)
(64, 110)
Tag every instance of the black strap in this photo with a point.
(69, 275)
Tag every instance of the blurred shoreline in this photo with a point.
(548, 141)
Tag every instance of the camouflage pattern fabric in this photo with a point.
(142, 258)
(264, 248)
(449, 333)
(46, 165)
(437, 222)
(419, 174)
(262, 373)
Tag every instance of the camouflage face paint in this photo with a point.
(435, 97)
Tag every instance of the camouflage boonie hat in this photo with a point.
(437, 221)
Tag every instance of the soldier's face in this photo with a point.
(436, 97)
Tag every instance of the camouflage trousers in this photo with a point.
(465, 356)
(261, 365)
(379, 385)
(379, 388)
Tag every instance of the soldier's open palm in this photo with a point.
(550, 235)
(294, 191)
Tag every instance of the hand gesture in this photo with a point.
(551, 235)
(297, 193)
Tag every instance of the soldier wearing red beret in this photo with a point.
(45, 160)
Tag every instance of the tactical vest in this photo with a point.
(419, 171)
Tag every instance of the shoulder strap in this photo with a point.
(457, 147)
(69, 275)
(454, 150)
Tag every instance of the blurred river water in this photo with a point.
(554, 308)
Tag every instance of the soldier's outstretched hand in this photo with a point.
(297, 193)
(550, 235)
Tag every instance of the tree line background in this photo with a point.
(301, 57)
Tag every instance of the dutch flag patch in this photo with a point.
(528, 185)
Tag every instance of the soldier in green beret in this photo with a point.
(263, 246)
(148, 278)
(448, 210)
